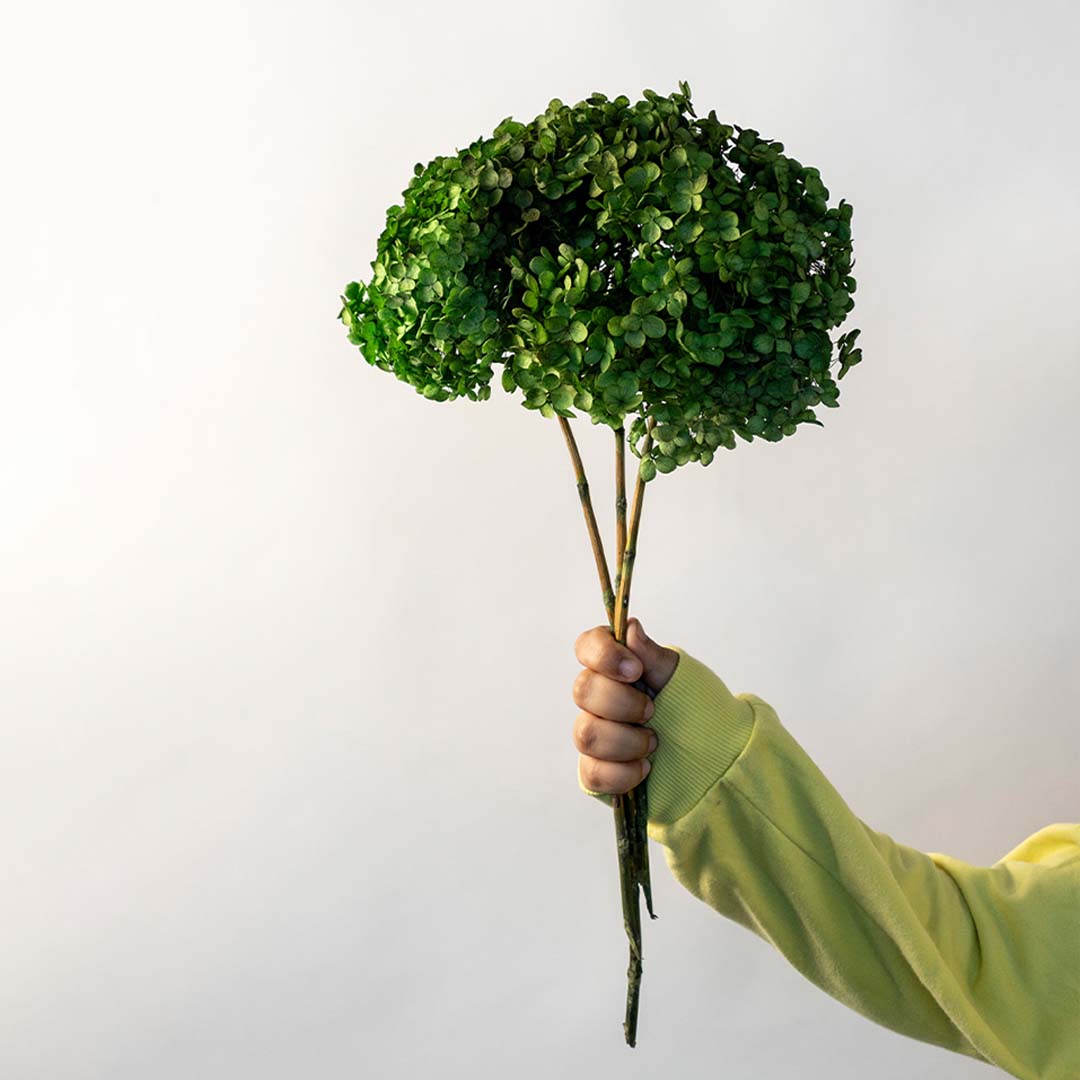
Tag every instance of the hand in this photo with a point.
(609, 731)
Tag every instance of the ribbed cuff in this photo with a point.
(701, 729)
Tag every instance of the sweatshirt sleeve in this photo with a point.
(980, 960)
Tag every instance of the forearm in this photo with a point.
(965, 957)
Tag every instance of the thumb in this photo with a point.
(658, 663)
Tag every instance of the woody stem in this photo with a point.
(590, 522)
(631, 808)
(629, 550)
(620, 501)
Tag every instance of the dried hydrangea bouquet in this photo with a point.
(625, 260)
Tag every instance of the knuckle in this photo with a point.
(585, 733)
(588, 644)
(591, 774)
(581, 686)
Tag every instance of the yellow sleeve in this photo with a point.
(980, 960)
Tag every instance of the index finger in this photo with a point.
(598, 650)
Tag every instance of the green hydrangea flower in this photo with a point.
(619, 259)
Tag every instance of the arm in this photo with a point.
(983, 961)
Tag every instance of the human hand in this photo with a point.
(609, 731)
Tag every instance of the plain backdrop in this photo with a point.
(287, 785)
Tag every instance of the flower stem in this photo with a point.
(629, 551)
(620, 501)
(631, 808)
(590, 521)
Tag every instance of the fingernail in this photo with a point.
(628, 667)
(652, 743)
(650, 708)
(647, 765)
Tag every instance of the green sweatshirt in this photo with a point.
(980, 960)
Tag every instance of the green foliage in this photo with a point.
(622, 259)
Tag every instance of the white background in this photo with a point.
(287, 786)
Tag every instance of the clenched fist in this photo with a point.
(610, 730)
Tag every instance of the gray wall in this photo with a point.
(287, 786)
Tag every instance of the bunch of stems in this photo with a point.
(631, 808)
